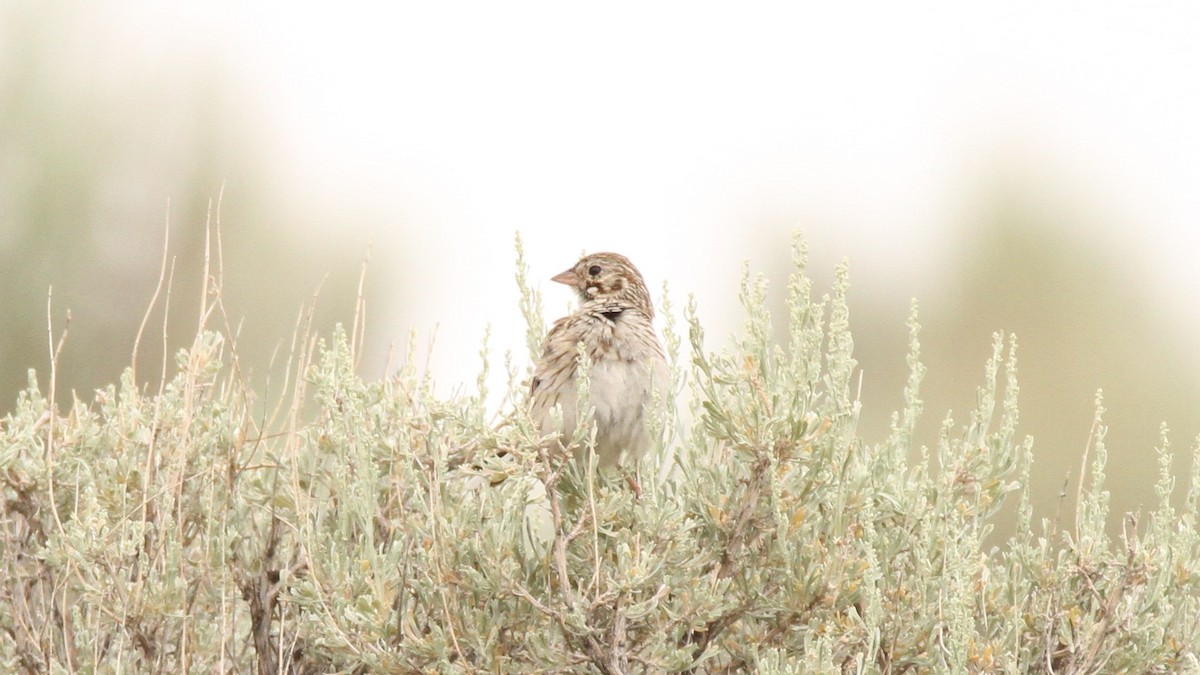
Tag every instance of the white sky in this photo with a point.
(692, 135)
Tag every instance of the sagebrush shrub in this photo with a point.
(373, 526)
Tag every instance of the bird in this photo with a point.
(628, 370)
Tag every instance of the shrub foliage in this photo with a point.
(374, 526)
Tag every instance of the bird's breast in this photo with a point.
(619, 389)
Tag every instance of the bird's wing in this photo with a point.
(556, 369)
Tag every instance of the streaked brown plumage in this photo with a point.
(614, 321)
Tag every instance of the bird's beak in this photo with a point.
(568, 277)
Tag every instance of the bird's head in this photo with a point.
(610, 278)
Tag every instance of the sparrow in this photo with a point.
(628, 369)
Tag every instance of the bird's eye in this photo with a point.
(594, 270)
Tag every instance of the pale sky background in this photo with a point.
(657, 128)
(686, 134)
(666, 130)
(689, 136)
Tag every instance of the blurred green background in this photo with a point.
(1005, 164)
